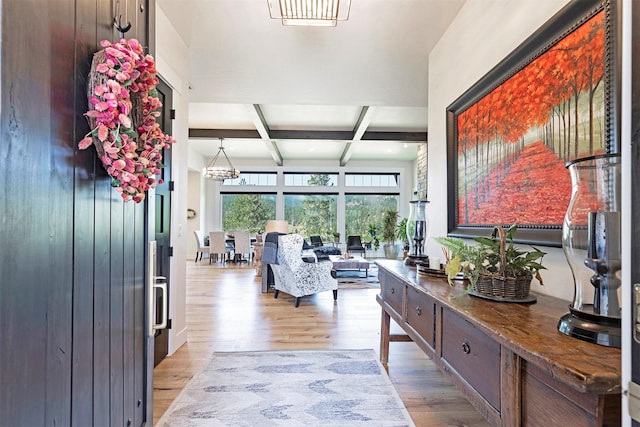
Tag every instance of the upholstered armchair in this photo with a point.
(299, 278)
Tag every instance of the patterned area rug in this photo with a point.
(354, 279)
(289, 388)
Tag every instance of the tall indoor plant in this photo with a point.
(389, 223)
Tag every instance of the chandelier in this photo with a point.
(316, 13)
(220, 173)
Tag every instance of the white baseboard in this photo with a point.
(176, 340)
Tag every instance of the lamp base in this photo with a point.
(600, 331)
(411, 260)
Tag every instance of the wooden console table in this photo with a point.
(508, 359)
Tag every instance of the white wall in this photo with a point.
(193, 202)
(172, 61)
(482, 34)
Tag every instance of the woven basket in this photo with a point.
(499, 287)
(506, 288)
(95, 79)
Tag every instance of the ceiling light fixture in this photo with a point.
(313, 13)
(220, 173)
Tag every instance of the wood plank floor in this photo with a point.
(226, 311)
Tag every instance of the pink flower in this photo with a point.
(125, 120)
(85, 142)
(102, 68)
(103, 132)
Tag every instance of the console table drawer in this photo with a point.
(392, 292)
(421, 315)
(473, 354)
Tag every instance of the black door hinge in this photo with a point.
(168, 324)
(172, 185)
(173, 114)
(170, 250)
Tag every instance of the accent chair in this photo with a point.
(299, 278)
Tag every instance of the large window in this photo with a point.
(311, 214)
(254, 178)
(247, 211)
(371, 180)
(296, 179)
(364, 213)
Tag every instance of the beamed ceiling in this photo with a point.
(357, 91)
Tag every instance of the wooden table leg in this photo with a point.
(385, 325)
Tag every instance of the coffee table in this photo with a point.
(351, 263)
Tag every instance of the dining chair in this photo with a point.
(202, 248)
(219, 249)
(242, 246)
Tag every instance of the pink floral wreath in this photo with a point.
(123, 106)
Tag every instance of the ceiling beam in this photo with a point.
(395, 136)
(363, 122)
(265, 133)
(196, 133)
(358, 130)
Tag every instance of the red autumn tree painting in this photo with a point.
(513, 143)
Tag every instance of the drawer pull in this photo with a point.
(393, 290)
(465, 347)
(418, 311)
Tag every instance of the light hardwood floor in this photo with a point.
(226, 311)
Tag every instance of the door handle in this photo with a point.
(161, 284)
(155, 284)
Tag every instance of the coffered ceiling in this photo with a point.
(357, 91)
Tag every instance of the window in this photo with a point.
(364, 212)
(371, 179)
(312, 214)
(247, 211)
(292, 179)
(254, 179)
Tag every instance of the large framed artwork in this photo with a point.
(552, 100)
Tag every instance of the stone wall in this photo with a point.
(421, 184)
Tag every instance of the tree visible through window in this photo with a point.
(247, 211)
(311, 214)
(365, 211)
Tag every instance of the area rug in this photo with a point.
(289, 388)
(354, 279)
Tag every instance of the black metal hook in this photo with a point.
(117, 22)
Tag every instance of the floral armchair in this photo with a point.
(299, 278)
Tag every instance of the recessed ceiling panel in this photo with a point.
(294, 149)
(382, 150)
(311, 117)
(205, 115)
(393, 119)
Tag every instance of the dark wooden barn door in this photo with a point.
(73, 264)
(634, 396)
(163, 224)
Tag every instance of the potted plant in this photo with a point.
(495, 269)
(389, 224)
(373, 237)
(401, 233)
